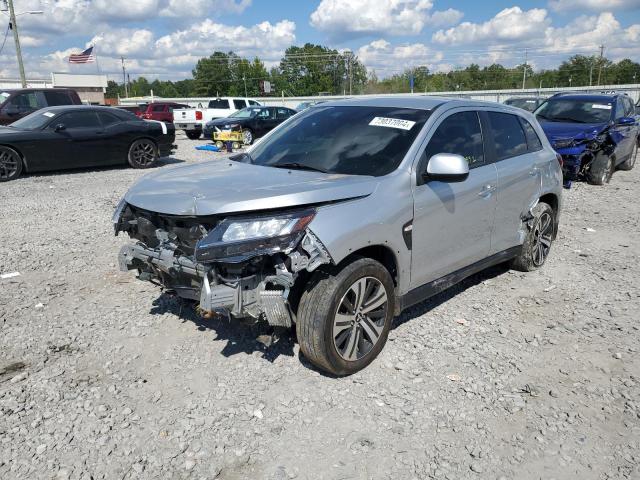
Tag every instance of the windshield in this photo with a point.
(353, 140)
(528, 105)
(34, 121)
(245, 113)
(575, 111)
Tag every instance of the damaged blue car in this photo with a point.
(595, 134)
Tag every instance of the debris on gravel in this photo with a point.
(507, 375)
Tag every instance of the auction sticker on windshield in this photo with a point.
(601, 107)
(49, 114)
(392, 123)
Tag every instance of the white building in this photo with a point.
(91, 88)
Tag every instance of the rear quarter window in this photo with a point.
(508, 135)
(533, 140)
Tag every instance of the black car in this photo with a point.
(81, 136)
(254, 122)
(526, 103)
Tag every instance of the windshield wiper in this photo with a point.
(298, 166)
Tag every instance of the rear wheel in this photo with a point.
(10, 164)
(537, 244)
(193, 134)
(344, 317)
(600, 170)
(631, 161)
(143, 153)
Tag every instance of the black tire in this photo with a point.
(631, 161)
(193, 134)
(537, 244)
(10, 164)
(247, 136)
(600, 170)
(143, 153)
(320, 309)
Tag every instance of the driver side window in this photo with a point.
(460, 134)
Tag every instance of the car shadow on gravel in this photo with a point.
(162, 162)
(241, 336)
(426, 306)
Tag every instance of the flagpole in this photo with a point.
(95, 50)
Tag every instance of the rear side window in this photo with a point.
(459, 134)
(108, 119)
(157, 108)
(533, 140)
(239, 104)
(54, 98)
(629, 110)
(508, 135)
(283, 113)
(253, 102)
(219, 103)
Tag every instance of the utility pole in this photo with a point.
(524, 70)
(349, 71)
(244, 79)
(591, 73)
(124, 79)
(16, 39)
(600, 63)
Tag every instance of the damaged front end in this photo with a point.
(580, 151)
(246, 266)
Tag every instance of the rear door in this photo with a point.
(626, 134)
(453, 220)
(520, 162)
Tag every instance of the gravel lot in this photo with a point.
(509, 375)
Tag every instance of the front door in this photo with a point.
(453, 221)
(84, 137)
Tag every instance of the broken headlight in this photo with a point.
(240, 238)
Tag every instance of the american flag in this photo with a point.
(84, 57)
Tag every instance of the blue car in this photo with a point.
(594, 134)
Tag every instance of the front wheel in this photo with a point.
(193, 134)
(537, 244)
(344, 316)
(10, 164)
(600, 170)
(247, 136)
(143, 153)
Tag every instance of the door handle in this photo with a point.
(487, 190)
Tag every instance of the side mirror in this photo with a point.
(447, 167)
(625, 121)
(60, 127)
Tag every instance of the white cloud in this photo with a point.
(342, 18)
(386, 59)
(194, 8)
(509, 24)
(123, 42)
(595, 5)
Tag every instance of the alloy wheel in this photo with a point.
(608, 172)
(143, 153)
(542, 233)
(360, 318)
(9, 162)
(247, 137)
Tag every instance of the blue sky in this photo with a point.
(164, 38)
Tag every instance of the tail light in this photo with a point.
(198, 115)
(560, 161)
(146, 115)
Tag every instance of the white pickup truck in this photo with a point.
(192, 120)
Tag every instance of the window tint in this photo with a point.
(108, 119)
(157, 108)
(239, 103)
(629, 110)
(533, 140)
(57, 98)
(266, 114)
(25, 101)
(283, 113)
(219, 103)
(460, 134)
(253, 102)
(508, 135)
(353, 140)
(78, 120)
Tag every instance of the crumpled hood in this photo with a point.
(576, 131)
(224, 186)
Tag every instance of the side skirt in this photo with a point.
(430, 289)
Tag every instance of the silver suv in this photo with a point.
(346, 214)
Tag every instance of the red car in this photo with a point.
(161, 111)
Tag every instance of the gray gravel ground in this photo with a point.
(509, 375)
